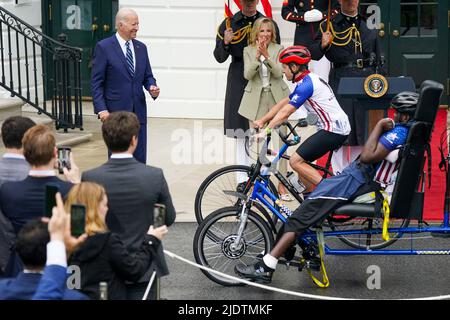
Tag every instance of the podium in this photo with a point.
(376, 108)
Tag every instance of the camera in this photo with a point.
(50, 200)
(63, 159)
(77, 219)
(159, 215)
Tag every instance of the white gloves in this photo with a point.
(313, 16)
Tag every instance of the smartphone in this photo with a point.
(77, 219)
(159, 215)
(63, 158)
(50, 200)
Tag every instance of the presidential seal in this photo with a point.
(376, 86)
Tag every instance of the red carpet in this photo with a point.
(434, 197)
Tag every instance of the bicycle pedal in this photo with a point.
(313, 264)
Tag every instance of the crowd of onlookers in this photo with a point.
(119, 246)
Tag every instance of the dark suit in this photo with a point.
(133, 189)
(114, 89)
(11, 169)
(22, 201)
(24, 286)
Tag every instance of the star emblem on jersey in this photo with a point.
(391, 137)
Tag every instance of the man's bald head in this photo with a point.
(127, 23)
(123, 14)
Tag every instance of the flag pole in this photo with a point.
(329, 16)
(228, 22)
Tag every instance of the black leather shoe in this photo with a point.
(254, 272)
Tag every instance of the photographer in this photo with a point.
(22, 201)
(104, 257)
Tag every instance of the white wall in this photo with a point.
(180, 35)
(26, 10)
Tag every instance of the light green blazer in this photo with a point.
(252, 92)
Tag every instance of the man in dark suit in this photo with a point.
(132, 188)
(120, 69)
(13, 167)
(31, 247)
(22, 201)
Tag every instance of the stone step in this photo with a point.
(88, 108)
(10, 107)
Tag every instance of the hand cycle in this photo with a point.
(238, 234)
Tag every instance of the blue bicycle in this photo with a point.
(238, 234)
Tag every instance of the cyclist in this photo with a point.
(387, 136)
(317, 97)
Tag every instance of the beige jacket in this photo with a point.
(280, 90)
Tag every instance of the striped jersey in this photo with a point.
(391, 140)
(317, 97)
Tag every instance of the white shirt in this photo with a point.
(264, 73)
(121, 156)
(42, 173)
(56, 253)
(13, 156)
(122, 43)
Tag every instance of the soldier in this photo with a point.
(232, 37)
(307, 15)
(354, 51)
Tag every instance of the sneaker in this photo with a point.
(257, 272)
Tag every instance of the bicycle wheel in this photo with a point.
(369, 241)
(210, 195)
(214, 240)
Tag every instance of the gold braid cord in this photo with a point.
(343, 38)
(239, 35)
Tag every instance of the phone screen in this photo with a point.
(159, 215)
(50, 200)
(63, 158)
(77, 219)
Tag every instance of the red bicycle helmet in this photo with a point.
(296, 54)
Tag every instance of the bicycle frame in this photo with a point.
(261, 191)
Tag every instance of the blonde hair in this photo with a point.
(257, 26)
(90, 195)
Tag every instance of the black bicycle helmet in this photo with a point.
(405, 102)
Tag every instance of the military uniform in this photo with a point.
(294, 11)
(236, 82)
(355, 52)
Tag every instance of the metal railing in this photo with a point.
(37, 68)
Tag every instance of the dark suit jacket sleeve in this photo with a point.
(131, 267)
(149, 80)
(289, 13)
(99, 65)
(221, 52)
(166, 199)
(52, 285)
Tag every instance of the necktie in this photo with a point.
(129, 58)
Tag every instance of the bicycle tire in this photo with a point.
(221, 241)
(202, 210)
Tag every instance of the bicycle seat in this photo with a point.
(359, 210)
